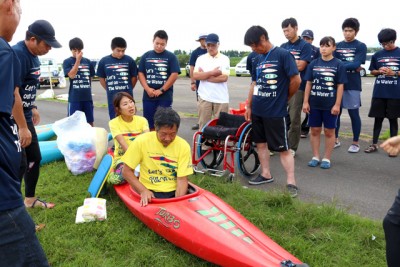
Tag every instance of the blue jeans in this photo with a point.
(19, 245)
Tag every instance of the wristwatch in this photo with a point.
(162, 90)
(396, 74)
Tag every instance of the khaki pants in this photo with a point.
(295, 109)
(207, 110)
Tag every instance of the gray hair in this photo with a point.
(166, 117)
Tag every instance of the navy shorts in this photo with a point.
(84, 106)
(150, 107)
(272, 131)
(317, 117)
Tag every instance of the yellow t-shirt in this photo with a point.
(159, 166)
(129, 131)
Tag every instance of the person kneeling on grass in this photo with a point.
(322, 98)
(124, 129)
(164, 158)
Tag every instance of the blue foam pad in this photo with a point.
(99, 178)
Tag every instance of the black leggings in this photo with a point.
(393, 126)
(392, 236)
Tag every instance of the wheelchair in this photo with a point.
(226, 140)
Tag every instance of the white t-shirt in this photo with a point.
(209, 91)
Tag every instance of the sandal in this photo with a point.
(371, 148)
(43, 204)
(39, 227)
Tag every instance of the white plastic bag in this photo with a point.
(76, 141)
(93, 209)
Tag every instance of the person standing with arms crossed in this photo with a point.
(302, 52)
(80, 72)
(194, 84)
(158, 71)
(277, 80)
(353, 53)
(39, 39)
(19, 245)
(212, 69)
(117, 73)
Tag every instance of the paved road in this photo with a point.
(363, 183)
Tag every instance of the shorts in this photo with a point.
(150, 108)
(273, 131)
(384, 108)
(351, 99)
(164, 194)
(84, 106)
(319, 116)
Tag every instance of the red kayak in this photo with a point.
(205, 226)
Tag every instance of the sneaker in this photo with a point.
(303, 134)
(293, 153)
(337, 144)
(292, 189)
(195, 127)
(314, 162)
(260, 180)
(354, 148)
(271, 153)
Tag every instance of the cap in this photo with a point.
(44, 30)
(308, 33)
(201, 36)
(212, 38)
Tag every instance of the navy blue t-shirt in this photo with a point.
(386, 86)
(157, 67)
(30, 73)
(301, 50)
(272, 71)
(193, 58)
(80, 87)
(10, 149)
(118, 74)
(352, 54)
(250, 64)
(325, 76)
(315, 52)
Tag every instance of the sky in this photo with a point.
(96, 22)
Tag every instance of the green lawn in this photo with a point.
(320, 235)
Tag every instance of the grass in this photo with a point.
(320, 235)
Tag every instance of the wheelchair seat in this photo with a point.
(227, 124)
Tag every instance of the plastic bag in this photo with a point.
(93, 209)
(76, 141)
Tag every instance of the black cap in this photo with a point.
(308, 33)
(44, 30)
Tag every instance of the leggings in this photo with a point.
(355, 123)
(393, 126)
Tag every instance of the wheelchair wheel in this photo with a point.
(213, 159)
(247, 157)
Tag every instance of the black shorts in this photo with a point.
(272, 131)
(33, 150)
(384, 108)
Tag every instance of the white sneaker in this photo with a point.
(337, 144)
(354, 148)
(293, 153)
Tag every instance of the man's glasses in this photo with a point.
(383, 44)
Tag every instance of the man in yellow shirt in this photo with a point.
(164, 158)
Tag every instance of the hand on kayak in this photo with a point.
(145, 197)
